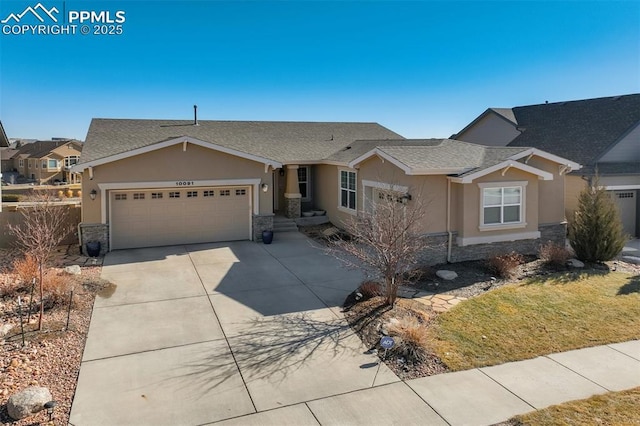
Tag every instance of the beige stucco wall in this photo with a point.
(172, 164)
(428, 190)
(552, 192)
(490, 130)
(574, 184)
(469, 204)
(325, 190)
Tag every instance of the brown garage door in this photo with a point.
(160, 217)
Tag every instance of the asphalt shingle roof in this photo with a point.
(435, 154)
(41, 149)
(581, 131)
(274, 140)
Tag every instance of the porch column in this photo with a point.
(292, 196)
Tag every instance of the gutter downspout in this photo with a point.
(450, 235)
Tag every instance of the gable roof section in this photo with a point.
(504, 113)
(282, 142)
(462, 161)
(171, 142)
(582, 131)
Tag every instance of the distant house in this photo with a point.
(602, 134)
(164, 182)
(4, 140)
(47, 162)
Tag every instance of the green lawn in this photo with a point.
(537, 317)
(613, 408)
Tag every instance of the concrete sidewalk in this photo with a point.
(483, 396)
(243, 333)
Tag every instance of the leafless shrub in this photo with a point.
(506, 265)
(554, 254)
(370, 289)
(44, 225)
(386, 237)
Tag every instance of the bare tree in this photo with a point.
(43, 227)
(387, 238)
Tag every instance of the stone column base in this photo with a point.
(261, 222)
(293, 207)
(94, 232)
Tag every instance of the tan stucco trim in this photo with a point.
(104, 187)
(171, 142)
(621, 187)
(504, 165)
(468, 241)
(534, 151)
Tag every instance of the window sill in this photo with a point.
(352, 212)
(500, 226)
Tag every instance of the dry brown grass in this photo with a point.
(554, 254)
(411, 337)
(613, 408)
(506, 265)
(538, 317)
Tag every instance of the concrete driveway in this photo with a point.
(197, 334)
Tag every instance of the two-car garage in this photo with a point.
(147, 217)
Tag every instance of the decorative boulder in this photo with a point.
(5, 329)
(575, 263)
(73, 270)
(447, 275)
(27, 402)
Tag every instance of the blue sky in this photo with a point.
(421, 68)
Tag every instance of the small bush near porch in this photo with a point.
(540, 316)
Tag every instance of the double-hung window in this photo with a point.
(348, 189)
(502, 205)
(303, 181)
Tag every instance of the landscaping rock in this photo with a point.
(27, 402)
(447, 275)
(5, 329)
(73, 270)
(575, 263)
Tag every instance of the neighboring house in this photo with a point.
(47, 162)
(4, 140)
(6, 159)
(151, 182)
(602, 134)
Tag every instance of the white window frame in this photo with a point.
(341, 208)
(49, 164)
(67, 160)
(306, 183)
(44, 164)
(523, 206)
(21, 162)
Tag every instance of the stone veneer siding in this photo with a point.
(293, 207)
(437, 252)
(261, 222)
(94, 232)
